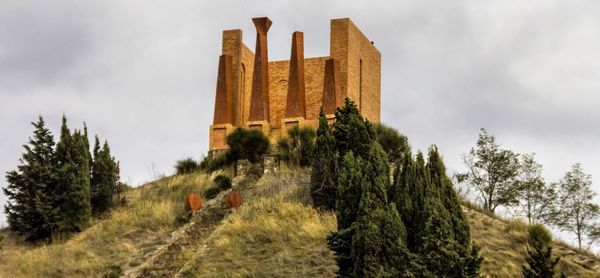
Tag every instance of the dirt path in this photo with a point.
(167, 259)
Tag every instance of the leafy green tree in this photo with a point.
(72, 176)
(104, 179)
(29, 208)
(247, 144)
(594, 233)
(324, 167)
(540, 263)
(296, 148)
(536, 198)
(574, 210)
(391, 141)
(492, 172)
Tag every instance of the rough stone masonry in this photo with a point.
(273, 96)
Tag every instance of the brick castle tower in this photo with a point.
(253, 92)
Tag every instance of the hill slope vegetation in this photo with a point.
(276, 232)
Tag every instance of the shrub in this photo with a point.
(247, 144)
(211, 192)
(392, 142)
(222, 182)
(214, 161)
(113, 271)
(540, 262)
(296, 149)
(186, 166)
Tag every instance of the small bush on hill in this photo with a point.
(214, 161)
(211, 192)
(247, 144)
(539, 254)
(296, 149)
(186, 166)
(223, 182)
(392, 142)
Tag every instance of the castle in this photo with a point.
(272, 96)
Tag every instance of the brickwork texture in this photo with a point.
(283, 91)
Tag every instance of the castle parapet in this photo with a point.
(273, 96)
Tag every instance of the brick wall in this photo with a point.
(360, 68)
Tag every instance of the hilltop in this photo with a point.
(275, 231)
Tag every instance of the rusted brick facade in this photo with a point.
(291, 92)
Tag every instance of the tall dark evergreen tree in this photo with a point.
(324, 167)
(87, 145)
(438, 232)
(351, 131)
(72, 176)
(349, 192)
(104, 179)
(378, 244)
(29, 210)
(540, 263)
(413, 227)
(470, 259)
(370, 241)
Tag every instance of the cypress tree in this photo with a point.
(87, 146)
(324, 167)
(370, 241)
(72, 176)
(104, 179)
(351, 131)
(438, 232)
(540, 263)
(30, 187)
(348, 196)
(378, 245)
(470, 260)
(401, 191)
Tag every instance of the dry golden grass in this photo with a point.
(503, 244)
(269, 236)
(275, 233)
(110, 244)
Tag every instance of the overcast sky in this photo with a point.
(142, 74)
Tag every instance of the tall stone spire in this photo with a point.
(259, 98)
(332, 86)
(224, 96)
(296, 100)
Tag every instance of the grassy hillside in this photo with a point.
(109, 245)
(275, 232)
(503, 247)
